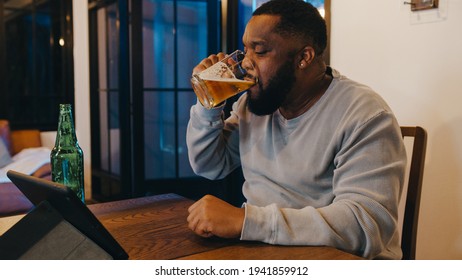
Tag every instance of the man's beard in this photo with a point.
(269, 99)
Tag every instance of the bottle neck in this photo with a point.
(66, 132)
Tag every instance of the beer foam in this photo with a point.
(218, 71)
(228, 80)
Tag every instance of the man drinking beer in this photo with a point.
(322, 155)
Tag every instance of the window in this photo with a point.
(142, 54)
(36, 61)
(175, 35)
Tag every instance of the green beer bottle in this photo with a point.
(67, 156)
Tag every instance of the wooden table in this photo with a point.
(155, 227)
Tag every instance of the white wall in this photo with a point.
(82, 85)
(413, 59)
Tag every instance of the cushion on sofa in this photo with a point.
(5, 157)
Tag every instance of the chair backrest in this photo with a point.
(414, 189)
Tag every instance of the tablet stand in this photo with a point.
(43, 234)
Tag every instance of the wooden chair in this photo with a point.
(414, 189)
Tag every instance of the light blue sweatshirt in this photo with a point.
(331, 177)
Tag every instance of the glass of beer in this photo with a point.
(224, 79)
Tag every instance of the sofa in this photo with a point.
(20, 150)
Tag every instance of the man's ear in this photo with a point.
(306, 57)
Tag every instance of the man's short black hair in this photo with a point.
(299, 19)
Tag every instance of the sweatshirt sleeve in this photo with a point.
(362, 218)
(213, 144)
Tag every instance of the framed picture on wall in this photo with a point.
(417, 5)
